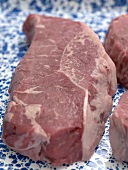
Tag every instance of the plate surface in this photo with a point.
(13, 45)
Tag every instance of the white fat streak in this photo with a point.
(102, 102)
(30, 91)
(19, 101)
(40, 26)
(32, 110)
(51, 40)
(47, 66)
(43, 55)
(84, 124)
(76, 84)
(81, 34)
(20, 141)
(83, 139)
(81, 38)
(102, 91)
(39, 134)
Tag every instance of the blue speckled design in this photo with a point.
(13, 45)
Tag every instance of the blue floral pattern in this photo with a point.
(13, 45)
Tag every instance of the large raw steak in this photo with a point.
(60, 94)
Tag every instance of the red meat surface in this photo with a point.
(60, 94)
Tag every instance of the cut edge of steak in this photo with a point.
(77, 80)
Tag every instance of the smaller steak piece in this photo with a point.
(116, 45)
(118, 131)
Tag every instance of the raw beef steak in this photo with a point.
(60, 93)
(118, 131)
(116, 45)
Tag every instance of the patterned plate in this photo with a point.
(13, 45)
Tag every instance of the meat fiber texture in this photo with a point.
(118, 131)
(60, 94)
(116, 45)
